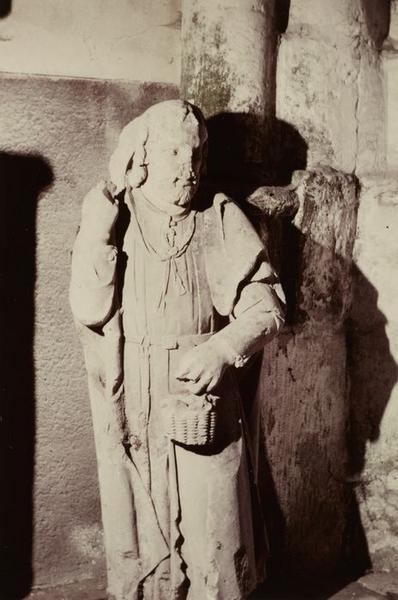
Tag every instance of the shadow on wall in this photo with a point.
(22, 178)
(373, 371)
(5, 8)
(228, 166)
(373, 374)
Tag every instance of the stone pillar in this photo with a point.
(329, 81)
(303, 384)
(228, 62)
(389, 61)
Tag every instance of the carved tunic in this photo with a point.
(184, 526)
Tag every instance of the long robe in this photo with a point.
(178, 521)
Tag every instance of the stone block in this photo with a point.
(390, 69)
(330, 82)
(305, 62)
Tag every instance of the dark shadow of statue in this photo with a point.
(22, 178)
(230, 167)
(5, 8)
(373, 373)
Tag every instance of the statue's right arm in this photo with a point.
(94, 258)
(92, 287)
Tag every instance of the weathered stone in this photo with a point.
(382, 583)
(328, 74)
(303, 383)
(276, 202)
(228, 60)
(172, 443)
(357, 591)
(84, 590)
(326, 220)
(389, 59)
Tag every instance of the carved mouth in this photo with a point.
(185, 182)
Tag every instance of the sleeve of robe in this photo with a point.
(94, 305)
(244, 285)
(92, 288)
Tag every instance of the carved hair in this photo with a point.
(130, 152)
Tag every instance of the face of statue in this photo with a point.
(173, 157)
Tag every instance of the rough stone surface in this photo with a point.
(228, 60)
(329, 82)
(131, 39)
(373, 355)
(374, 586)
(59, 130)
(85, 590)
(303, 383)
(383, 583)
(355, 591)
(390, 69)
(275, 201)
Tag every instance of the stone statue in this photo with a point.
(168, 305)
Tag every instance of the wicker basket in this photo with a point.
(190, 419)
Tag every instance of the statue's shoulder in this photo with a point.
(222, 206)
(223, 210)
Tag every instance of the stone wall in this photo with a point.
(56, 138)
(130, 39)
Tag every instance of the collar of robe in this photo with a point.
(164, 236)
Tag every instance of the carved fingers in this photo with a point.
(201, 368)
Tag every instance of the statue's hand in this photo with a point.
(202, 367)
(99, 213)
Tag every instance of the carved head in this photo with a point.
(162, 152)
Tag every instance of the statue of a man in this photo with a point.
(170, 307)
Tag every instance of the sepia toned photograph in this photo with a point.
(199, 300)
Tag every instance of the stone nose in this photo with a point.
(186, 170)
(185, 156)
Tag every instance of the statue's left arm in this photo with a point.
(256, 318)
(244, 287)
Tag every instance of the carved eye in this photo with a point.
(175, 152)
